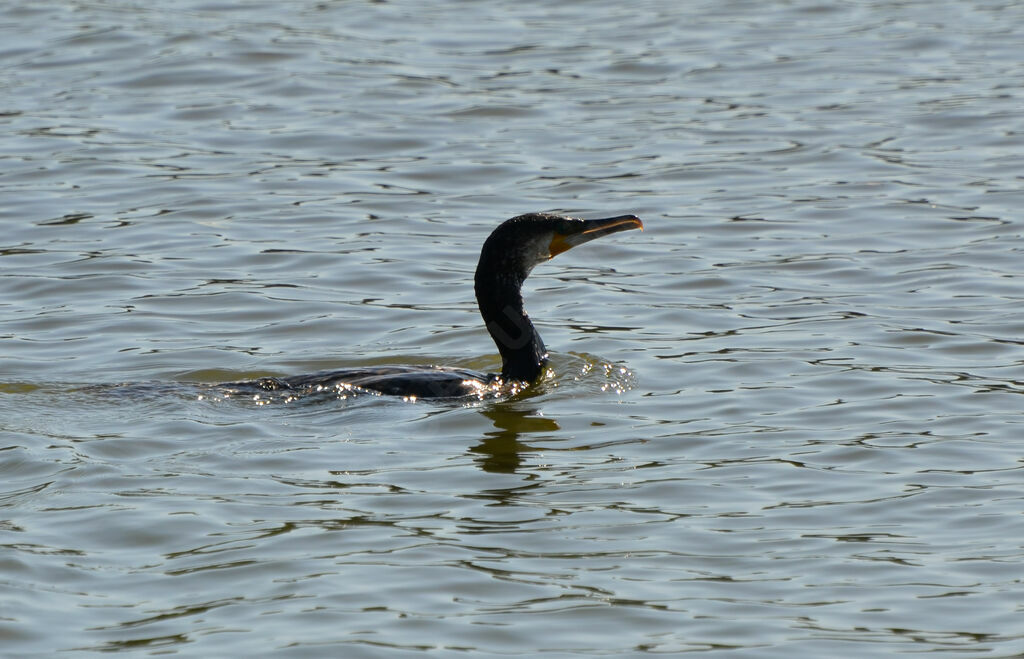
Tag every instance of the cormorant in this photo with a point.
(507, 257)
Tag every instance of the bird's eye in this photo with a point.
(566, 227)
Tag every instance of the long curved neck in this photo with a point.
(499, 295)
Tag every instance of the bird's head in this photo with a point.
(518, 244)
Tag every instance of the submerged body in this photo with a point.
(506, 259)
(407, 381)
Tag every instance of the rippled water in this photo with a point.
(783, 421)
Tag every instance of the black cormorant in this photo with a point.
(507, 257)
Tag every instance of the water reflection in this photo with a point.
(501, 450)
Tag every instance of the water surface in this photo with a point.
(784, 421)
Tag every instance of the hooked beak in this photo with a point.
(587, 230)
